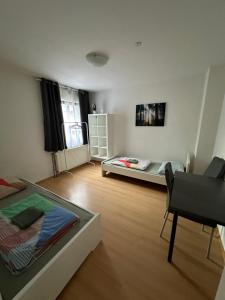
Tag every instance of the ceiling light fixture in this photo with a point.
(97, 59)
(138, 43)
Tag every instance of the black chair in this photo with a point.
(216, 169)
(169, 182)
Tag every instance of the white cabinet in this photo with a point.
(100, 133)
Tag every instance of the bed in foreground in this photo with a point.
(48, 274)
(141, 169)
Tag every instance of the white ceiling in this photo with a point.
(51, 38)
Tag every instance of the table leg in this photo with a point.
(172, 237)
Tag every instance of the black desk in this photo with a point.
(196, 196)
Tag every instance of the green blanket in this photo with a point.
(34, 200)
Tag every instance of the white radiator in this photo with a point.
(74, 157)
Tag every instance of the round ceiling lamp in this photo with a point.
(97, 59)
(138, 44)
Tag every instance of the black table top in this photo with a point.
(199, 196)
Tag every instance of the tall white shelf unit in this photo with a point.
(100, 132)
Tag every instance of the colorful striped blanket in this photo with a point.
(10, 185)
(19, 248)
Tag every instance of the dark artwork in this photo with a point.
(150, 114)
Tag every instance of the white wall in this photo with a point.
(21, 127)
(211, 107)
(219, 148)
(172, 141)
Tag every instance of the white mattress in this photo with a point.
(151, 169)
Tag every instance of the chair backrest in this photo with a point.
(169, 180)
(216, 168)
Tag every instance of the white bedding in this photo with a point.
(126, 162)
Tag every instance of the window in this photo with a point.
(71, 116)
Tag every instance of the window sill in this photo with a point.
(78, 147)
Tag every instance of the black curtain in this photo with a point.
(84, 111)
(53, 117)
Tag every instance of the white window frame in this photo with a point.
(73, 103)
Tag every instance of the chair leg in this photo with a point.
(210, 243)
(164, 223)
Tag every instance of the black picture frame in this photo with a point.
(152, 114)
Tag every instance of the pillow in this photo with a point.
(10, 185)
(27, 217)
(176, 166)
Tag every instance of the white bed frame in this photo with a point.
(155, 178)
(50, 280)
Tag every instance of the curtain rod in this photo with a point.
(61, 85)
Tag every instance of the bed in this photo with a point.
(46, 277)
(148, 171)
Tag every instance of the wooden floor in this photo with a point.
(131, 262)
